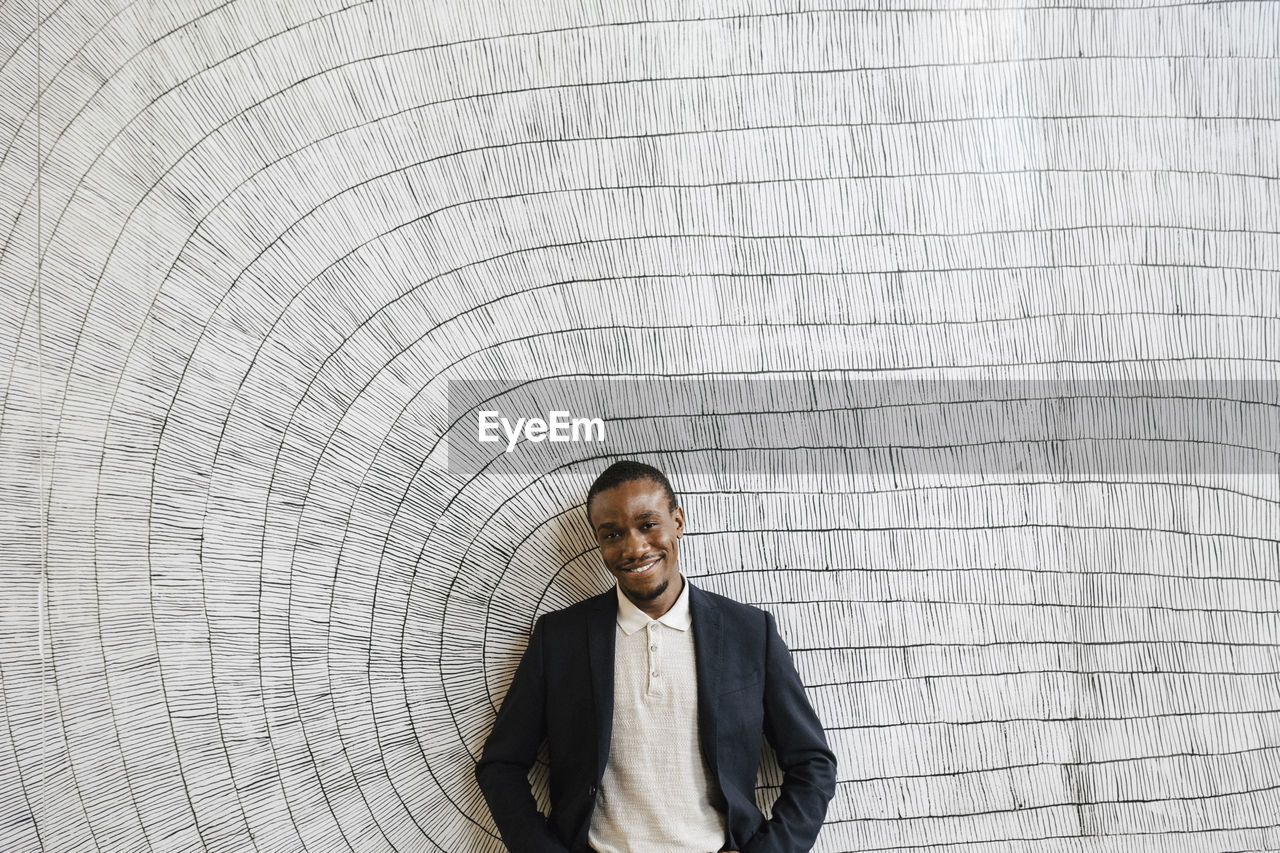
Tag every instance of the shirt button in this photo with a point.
(653, 648)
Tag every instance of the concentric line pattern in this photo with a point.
(247, 245)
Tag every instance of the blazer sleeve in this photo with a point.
(808, 765)
(512, 747)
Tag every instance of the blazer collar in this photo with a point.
(709, 653)
(708, 642)
(602, 620)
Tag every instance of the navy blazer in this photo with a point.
(747, 687)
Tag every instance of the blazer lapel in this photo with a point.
(602, 620)
(708, 648)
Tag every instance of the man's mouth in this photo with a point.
(641, 568)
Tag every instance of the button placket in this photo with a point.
(652, 636)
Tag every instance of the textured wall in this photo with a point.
(256, 254)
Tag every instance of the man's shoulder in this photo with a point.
(719, 600)
(577, 612)
(732, 610)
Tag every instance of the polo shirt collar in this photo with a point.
(632, 618)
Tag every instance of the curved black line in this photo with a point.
(816, 685)
(853, 781)
(1067, 804)
(17, 766)
(936, 846)
(1098, 719)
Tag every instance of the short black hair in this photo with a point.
(626, 471)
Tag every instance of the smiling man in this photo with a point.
(654, 699)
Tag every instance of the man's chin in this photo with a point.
(647, 594)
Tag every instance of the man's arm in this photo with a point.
(808, 765)
(503, 769)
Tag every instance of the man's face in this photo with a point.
(639, 535)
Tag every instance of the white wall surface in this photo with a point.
(248, 250)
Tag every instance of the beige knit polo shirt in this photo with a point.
(657, 793)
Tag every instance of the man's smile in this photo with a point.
(643, 566)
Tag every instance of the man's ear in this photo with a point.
(678, 517)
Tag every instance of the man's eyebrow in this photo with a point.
(648, 513)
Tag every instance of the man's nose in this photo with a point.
(633, 544)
